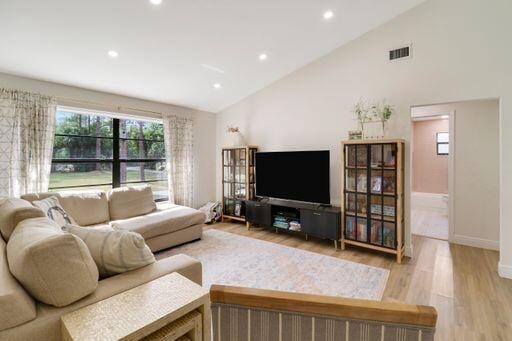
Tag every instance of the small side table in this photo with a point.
(169, 308)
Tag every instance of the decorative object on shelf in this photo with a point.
(238, 209)
(372, 119)
(385, 111)
(355, 135)
(235, 137)
(373, 215)
(238, 180)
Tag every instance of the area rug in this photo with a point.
(231, 259)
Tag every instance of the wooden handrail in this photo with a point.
(349, 308)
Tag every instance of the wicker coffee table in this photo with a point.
(169, 308)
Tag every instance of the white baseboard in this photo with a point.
(408, 251)
(476, 242)
(505, 271)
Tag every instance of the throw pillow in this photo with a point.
(114, 251)
(127, 202)
(13, 211)
(54, 211)
(53, 266)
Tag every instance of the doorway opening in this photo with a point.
(431, 157)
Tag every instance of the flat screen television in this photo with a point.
(300, 176)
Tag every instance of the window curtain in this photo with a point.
(27, 124)
(179, 150)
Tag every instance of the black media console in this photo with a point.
(315, 220)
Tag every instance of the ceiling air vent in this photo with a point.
(400, 53)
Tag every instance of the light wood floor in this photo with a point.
(472, 301)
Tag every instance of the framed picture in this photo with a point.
(355, 135)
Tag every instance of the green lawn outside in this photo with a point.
(63, 179)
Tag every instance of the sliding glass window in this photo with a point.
(142, 156)
(99, 152)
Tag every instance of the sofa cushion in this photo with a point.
(54, 210)
(16, 305)
(162, 221)
(55, 267)
(12, 211)
(127, 202)
(87, 207)
(79, 205)
(114, 251)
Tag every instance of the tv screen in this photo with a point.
(301, 176)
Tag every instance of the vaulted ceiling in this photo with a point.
(175, 52)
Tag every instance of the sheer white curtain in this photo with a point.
(179, 150)
(27, 124)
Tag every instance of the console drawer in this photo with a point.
(258, 213)
(320, 223)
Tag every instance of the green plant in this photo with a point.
(361, 112)
(386, 111)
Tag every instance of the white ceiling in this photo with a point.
(161, 48)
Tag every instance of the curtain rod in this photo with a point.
(114, 108)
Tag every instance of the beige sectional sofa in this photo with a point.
(22, 317)
(165, 225)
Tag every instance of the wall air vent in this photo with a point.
(400, 53)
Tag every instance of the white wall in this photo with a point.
(460, 52)
(204, 122)
(476, 160)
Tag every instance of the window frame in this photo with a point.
(115, 161)
(442, 143)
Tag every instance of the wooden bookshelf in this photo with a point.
(372, 192)
(238, 180)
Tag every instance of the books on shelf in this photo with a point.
(376, 232)
(376, 184)
(295, 226)
(389, 211)
(389, 157)
(351, 202)
(361, 182)
(389, 235)
(376, 209)
(361, 157)
(350, 228)
(351, 181)
(361, 204)
(286, 222)
(362, 231)
(388, 183)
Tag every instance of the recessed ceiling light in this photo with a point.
(217, 85)
(328, 15)
(445, 116)
(113, 54)
(263, 56)
(156, 2)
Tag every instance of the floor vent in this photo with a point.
(400, 53)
